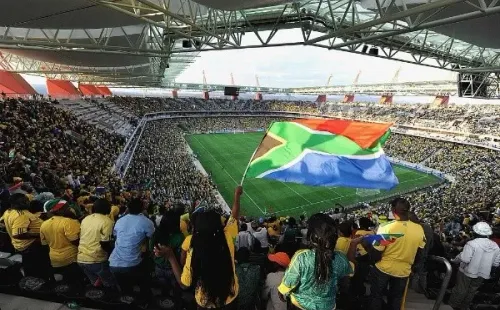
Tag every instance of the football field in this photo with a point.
(225, 157)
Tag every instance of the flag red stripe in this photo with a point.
(363, 133)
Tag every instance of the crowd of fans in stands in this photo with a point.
(479, 119)
(66, 213)
(51, 148)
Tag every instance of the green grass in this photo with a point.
(225, 157)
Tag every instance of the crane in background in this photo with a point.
(388, 94)
(349, 97)
(234, 97)
(258, 94)
(206, 94)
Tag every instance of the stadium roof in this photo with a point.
(149, 42)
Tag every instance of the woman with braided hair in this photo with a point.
(312, 276)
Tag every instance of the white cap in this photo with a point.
(483, 229)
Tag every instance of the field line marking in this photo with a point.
(296, 192)
(342, 196)
(196, 138)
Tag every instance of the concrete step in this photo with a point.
(416, 301)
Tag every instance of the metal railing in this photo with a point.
(446, 280)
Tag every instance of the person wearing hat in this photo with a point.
(278, 263)
(476, 260)
(61, 233)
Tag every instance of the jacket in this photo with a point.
(478, 257)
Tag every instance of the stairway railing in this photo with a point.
(446, 280)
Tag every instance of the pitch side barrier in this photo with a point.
(422, 168)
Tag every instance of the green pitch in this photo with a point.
(225, 157)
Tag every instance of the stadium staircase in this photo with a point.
(111, 119)
(415, 301)
(437, 152)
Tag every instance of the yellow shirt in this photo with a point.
(359, 233)
(186, 244)
(398, 257)
(184, 224)
(343, 244)
(113, 215)
(94, 229)
(20, 222)
(231, 232)
(58, 232)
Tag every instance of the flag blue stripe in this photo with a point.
(320, 169)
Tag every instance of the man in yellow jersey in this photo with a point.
(61, 233)
(394, 261)
(23, 228)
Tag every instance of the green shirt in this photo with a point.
(299, 281)
(174, 242)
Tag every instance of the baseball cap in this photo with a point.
(280, 258)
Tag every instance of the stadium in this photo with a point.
(124, 187)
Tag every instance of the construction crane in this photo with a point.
(349, 96)
(232, 83)
(329, 80)
(258, 94)
(206, 94)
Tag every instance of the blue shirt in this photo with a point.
(130, 232)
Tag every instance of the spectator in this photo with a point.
(168, 234)
(358, 288)
(419, 279)
(476, 260)
(95, 245)
(127, 260)
(244, 239)
(248, 280)
(261, 235)
(61, 232)
(311, 279)
(394, 261)
(278, 263)
(211, 245)
(344, 241)
(24, 229)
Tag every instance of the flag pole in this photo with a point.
(251, 158)
(248, 165)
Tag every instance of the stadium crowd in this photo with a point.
(478, 119)
(66, 213)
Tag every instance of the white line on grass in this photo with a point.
(296, 192)
(228, 174)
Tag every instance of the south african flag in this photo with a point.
(325, 152)
(382, 239)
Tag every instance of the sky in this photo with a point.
(296, 66)
(293, 66)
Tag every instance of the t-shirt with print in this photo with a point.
(58, 232)
(231, 232)
(94, 229)
(300, 283)
(398, 257)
